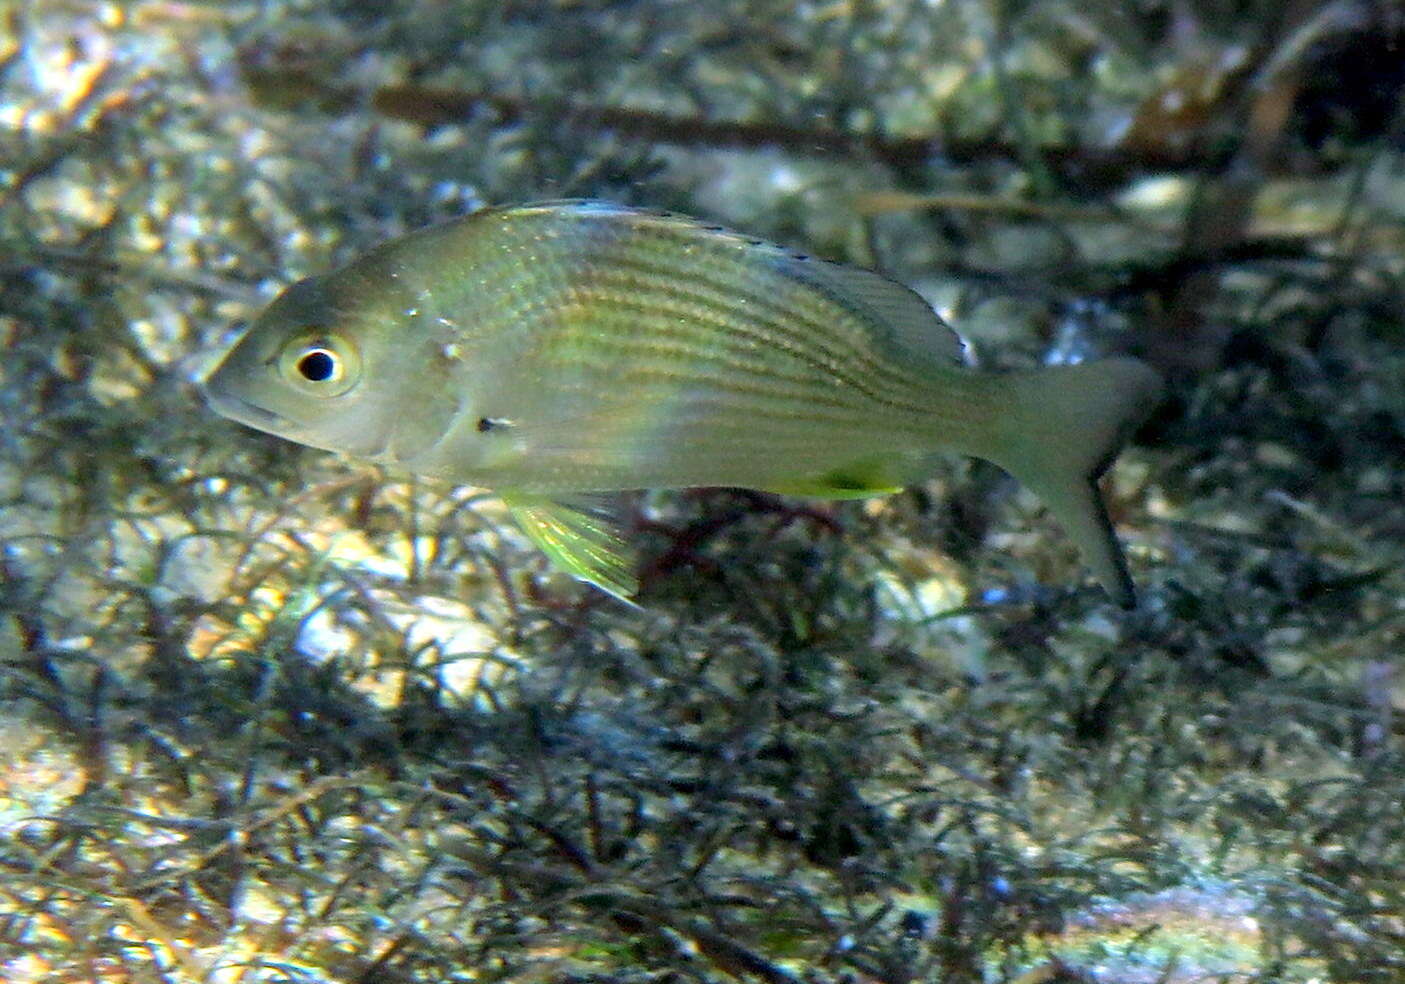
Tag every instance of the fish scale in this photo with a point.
(806, 323)
(566, 347)
(806, 359)
(731, 290)
(613, 344)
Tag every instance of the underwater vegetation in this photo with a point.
(273, 715)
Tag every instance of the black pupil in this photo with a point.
(317, 366)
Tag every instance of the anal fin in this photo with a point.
(855, 481)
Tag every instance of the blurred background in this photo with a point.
(270, 715)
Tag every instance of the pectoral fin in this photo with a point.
(578, 540)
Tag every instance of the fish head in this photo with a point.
(327, 368)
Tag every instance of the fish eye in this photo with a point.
(320, 364)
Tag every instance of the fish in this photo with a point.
(555, 350)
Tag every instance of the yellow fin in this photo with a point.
(580, 542)
(857, 481)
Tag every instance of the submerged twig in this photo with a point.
(1088, 167)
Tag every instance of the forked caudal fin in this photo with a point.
(1058, 429)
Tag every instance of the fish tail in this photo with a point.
(1056, 430)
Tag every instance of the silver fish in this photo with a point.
(564, 347)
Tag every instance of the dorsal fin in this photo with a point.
(917, 331)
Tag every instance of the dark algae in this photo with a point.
(272, 714)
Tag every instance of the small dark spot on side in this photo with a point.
(486, 424)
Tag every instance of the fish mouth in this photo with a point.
(241, 410)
